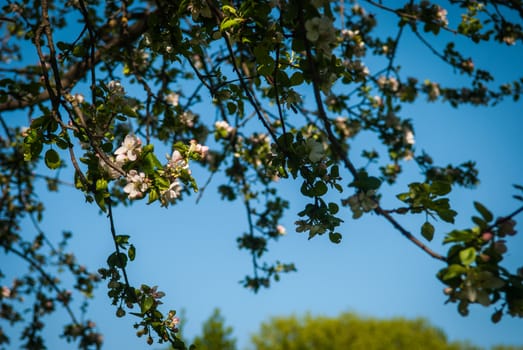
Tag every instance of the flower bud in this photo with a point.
(487, 236)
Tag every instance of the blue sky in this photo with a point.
(190, 250)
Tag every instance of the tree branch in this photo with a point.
(78, 70)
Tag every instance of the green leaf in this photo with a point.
(153, 196)
(335, 171)
(129, 111)
(79, 51)
(230, 22)
(403, 196)
(460, 236)
(335, 237)
(452, 271)
(467, 256)
(52, 159)
(305, 190)
(320, 188)
(487, 215)
(333, 208)
(427, 231)
(117, 260)
(371, 183)
(63, 46)
(296, 78)
(480, 222)
(229, 9)
(146, 304)
(447, 215)
(440, 188)
(131, 252)
(101, 184)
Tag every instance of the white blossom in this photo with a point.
(409, 137)
(390, 83)
(136, 184)
(111, 171)
(188, 118)
(79, 98)
(320, 30)
(316, 151)
(172, 193)
(129, 150)
(442, 16)
(116, 88)
(172, 99)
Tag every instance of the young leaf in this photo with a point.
(131, 252)
(146, 304)
(467, 256)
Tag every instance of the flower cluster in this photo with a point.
(200, 150)
(115, 88)
(315, 149)
(432, 90)
(391, 84)
(321, 32)
(172, 321)
(173, 99)
(165, 183)
(187, 118)
(354, 41)
(137, 184)
(223, 129)
(476, 287)
(129, 150)
(441, 16)
(361, 202)
(175, 165)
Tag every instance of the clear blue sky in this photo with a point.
(190, 250)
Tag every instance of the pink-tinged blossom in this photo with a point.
(129, 150)
(223, 127)
(136, 184)
(281, 230)
(487, 236)
(442, 16)
(6, 292)
(197, 148)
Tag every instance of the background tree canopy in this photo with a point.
(244, 96)
(346, 331)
